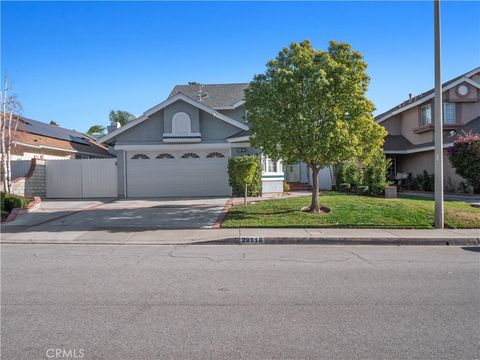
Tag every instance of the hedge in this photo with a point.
(234, 164)
(9, 202)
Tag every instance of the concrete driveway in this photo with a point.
(81, 215)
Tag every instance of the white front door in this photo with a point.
(178, 173)
(292, 173)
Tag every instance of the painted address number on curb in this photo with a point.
(252, 240)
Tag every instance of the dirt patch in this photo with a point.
(323, 210)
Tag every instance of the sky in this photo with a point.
(73, 62)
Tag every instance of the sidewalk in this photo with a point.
(149, 236)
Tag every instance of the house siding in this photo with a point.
(149, 131)
(181, 106)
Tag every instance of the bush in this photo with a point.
(286, 187)
(464, 156)
(425, 182)
(362, 190)
(344, 187)
(349, 173)
(235, 165)
(375, 175)
(9, 202)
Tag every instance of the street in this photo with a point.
(232, 302)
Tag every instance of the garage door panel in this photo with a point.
(179, 176)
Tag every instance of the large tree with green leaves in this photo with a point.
(311, 106)
(120, 116)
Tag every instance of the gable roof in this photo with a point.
(416, 100)
(165, 103)
(39, 135)
(216, 96)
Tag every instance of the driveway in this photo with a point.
(81, 215)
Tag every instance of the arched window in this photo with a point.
(190, 156)
(140, 156)
(181, 123)
(215, 155)
(165, 156)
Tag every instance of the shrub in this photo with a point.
(464, 156)
(349, 172)
(9, 202)
(375, 175)
(425, 181)
(236, 165)
(344, 187)
(362, 190)
(286, 187)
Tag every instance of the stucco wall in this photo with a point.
(214, 129)
(149, 131)
(392, 125)
(181, 106)
(409, 122)
(272, 186)
(236, 114)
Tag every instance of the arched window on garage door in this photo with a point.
(215, 155)
(190, 156)
(140, 156)
(165, 156)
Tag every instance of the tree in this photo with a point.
(464, 156)
(9, 125)
(311, 106)
(120, 116)
(53, 123)
(96, 130)
(242, 170)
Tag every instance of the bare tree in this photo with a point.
(9, 126)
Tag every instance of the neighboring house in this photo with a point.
(35, 139)
(410, 125)
(181, 146)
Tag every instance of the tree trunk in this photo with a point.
(246, 193)
(315, 205)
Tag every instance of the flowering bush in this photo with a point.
(464, 156)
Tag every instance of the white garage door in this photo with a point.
(177, 173)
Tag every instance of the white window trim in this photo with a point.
(279, 171)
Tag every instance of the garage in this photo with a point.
(178, 173)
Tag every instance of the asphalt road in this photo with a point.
(229, 302)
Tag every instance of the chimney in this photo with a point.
(114, 125)
(410, 96)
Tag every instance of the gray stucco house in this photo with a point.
(181, 146)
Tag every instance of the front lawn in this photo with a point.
(352, 211)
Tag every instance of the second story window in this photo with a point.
(426, 117)
(449, 113)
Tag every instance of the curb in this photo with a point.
(222, 215)
(16, 211)
(470, 242)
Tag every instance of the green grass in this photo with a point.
(352, 211)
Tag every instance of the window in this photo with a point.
(269, 165)
(190, 156)
(181, 123)
(426, 117)
(165, 156)
(215, 155)
(449, 113)
(140, 156)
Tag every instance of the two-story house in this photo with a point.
(410, 126)
(181, 146)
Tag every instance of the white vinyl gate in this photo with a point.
(81, 178)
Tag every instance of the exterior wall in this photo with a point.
(181, 106)
(272, 186)
(468, 111)
(392, 125)
(236, 114)
(418, 162)
(120, 154)
(215, 130)
(149, 131)
(410, 122)
(24, 153)
(33, 184)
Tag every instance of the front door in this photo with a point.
(292, 173)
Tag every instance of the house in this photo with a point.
(35, 139)
(181, 146)
(410, 126)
